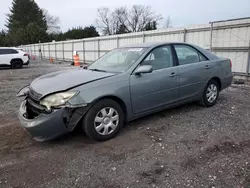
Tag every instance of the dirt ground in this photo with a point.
(188, 146)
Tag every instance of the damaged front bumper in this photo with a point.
(47, 126)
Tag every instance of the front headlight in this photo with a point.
(23, 92)
(57, 99)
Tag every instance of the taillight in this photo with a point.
(231, 64)
(26, 55)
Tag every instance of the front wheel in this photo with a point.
(210, 94)
(17, 64)
(104, 120)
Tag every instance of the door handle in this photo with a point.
(173, 74)
(207, 66)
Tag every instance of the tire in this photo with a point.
(17, 64)
(104, 120)
(210, 94)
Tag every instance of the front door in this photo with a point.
(154, 90)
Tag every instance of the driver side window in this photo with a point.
(159, 58)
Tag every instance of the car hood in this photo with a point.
(64, 80)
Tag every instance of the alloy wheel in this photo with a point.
(212, 93)
(106, 121)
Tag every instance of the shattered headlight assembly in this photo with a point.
(58, 100)
(23, 92)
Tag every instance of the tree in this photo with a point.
(168, 22)
(90, 32)
(120, 17)
(3, 38)
(140, 16)
(122, 29)
(26, 23)
(52, 22)
(75, 33)
(150, 26)
(79, 32)
(123, 20)
(104, 21)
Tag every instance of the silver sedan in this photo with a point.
(127, 83)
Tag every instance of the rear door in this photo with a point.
(194, 71)
(6, 55)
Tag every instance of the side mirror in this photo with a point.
(144, 69)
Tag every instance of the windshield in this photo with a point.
(118, 60)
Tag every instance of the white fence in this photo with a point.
(230, 38)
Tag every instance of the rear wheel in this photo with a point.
(17, 64)
(104, 120)
(210, 94)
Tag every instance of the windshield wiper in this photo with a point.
(97, 70)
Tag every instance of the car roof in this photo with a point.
(10, 48)
(207, 53)
(150, 44)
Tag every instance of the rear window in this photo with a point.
(8, 51)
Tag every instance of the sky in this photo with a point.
(182, 12)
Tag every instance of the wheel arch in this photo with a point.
(116, 99)
(16, 59)
(218, 80)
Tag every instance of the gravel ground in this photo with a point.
(188, 146)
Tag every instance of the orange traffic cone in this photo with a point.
(51, 60)
(76, 60)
